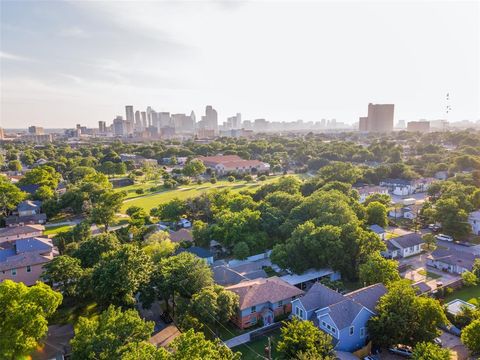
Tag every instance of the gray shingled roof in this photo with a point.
(368, 296)
(320, 296)
(454, 257)
(29, 205)
(33, 244)
(344, 312)
(408, 240)
(377, 229)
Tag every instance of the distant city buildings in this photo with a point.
(418, 126)
(36, 130)
(379, 119)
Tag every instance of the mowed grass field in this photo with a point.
(149, 201)
(468, 294)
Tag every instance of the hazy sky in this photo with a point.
(72, 62)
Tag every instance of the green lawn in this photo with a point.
(468, 294)
(255, 350)
(187, 191)
(54, 230)
(131, 189)
(69, 312)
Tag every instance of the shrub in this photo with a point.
(213, 180)
(262, 178)
(231, 178)
(139, 191)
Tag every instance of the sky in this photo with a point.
(69, 62)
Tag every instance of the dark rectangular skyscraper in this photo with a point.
(379, 119)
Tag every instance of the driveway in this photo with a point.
(453, 343)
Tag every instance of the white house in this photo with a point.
(474, 221)
(404, 246)
(380, 231)
(368, 190)
(185, 223)
(452, 261)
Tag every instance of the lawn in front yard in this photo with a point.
(57, 229)
(468, 294)
(255, 350)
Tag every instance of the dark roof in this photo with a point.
(408, 240)
(29, 188)
(421, 287)
(200, 252)
(454, 257)
(377, 229)
(344, 312)
(368, 296)
(21, 230)
(225, 276)
(391, 246)
(29, 205)
(36, 218)
(320, 296)
(33, 244)
(397, 181)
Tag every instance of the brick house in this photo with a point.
(263, 300)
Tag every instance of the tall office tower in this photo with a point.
(149, 116)
(2, 134)
(193, 118)
(102, 127)
(363, 123)
(138, 121)
(260, 125)
(36, 130)
(380, 117)
(234, 122)
(155, 119)
(144, 119)
(210, 120)
(129, 118)
(164, 119)
(119, 126)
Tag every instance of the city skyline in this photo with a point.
(64, 63)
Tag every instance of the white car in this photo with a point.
(444, 237)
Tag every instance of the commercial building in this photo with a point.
(418, 126)
(36, 130)
(379, 119)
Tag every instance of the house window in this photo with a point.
(301, 313)
(14, 272)
(280, 303)
(254, 309)
(324, 324)
(29, 269)
(334, 330)
(352, 330)
(329, 327)
(362, 332)
(253, 320)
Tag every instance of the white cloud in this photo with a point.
(74, 32)
(13, 57)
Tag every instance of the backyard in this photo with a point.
(468, 294)
(256, 349)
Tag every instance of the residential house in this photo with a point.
(263, 300)
(225, 275)
(165, 336)
(404, 187)
(180, 235)
(185, 223)
(344, 317)
(452, 261)
(199, 252)
(138, 160)
(404, 246)
(29, 188)
(28, 212)
(20, 232)
(380, 231)
(407, 212)
(367, 190)
(441, 175)
(226, 164)
(474, 221)
(23, 260)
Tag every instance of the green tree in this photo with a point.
(119, 275)
(377, 269)
(14, 165)
(471, 336)
(170, 211)
(108, 336)
(404, 318)
(106, 207)
(91, 250)
(430, 351)
(10, 197)
(201, 233)
(377, 214)
(453, 218)
(469, 278)
(430, 240)
(159, 245)
(303, 336)
(43, 176)
(340, 171)
(241, 250)
(65, 272)
(194, 168)
(23, 316)
(384, 199)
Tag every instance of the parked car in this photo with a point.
(451, 329)
(438, 341)
(404, 351)
(444, 237)
(433, 227)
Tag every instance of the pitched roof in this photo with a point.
(259, 291)
(29, 205)
(397, 181)
(165, 336)
(224, 275)
(24, 259)
(368, 296)
(454, 257)
(19, 230)
(344, 312)
(33, 244)
(200, 252)
(29, 188)
(181, 235)
(36, 218)
(320, 296)
(407, 240)
(377, 229)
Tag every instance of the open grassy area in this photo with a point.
(54, 230)
(187, 191)
(131, 190)
(255, 350)
(69, 312)
(468, 294)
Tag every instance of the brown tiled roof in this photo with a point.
(259, 291)
(24, 259)
(165, 336)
